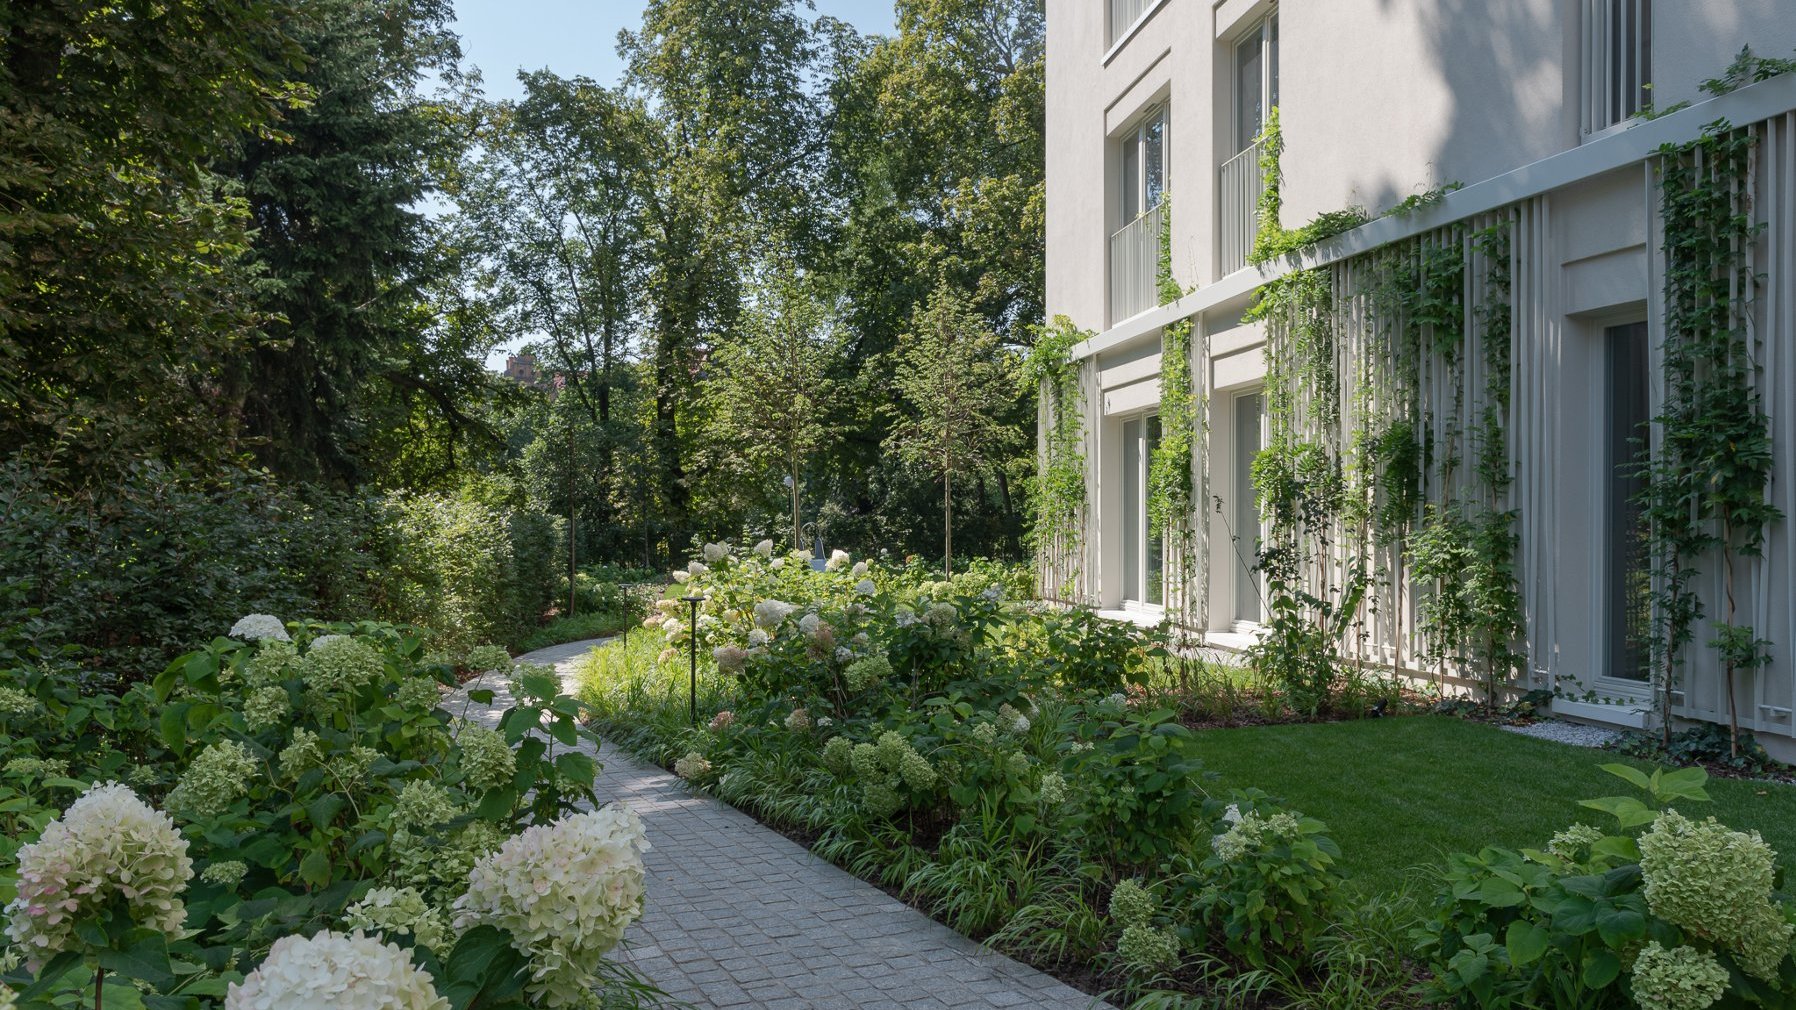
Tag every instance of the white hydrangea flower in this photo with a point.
(716, 552)
(399, 910)
(844, 654)
(809, 623)
(993, 593)
(838, 559)
(770, 614)
(777, 563)
(260, 627)
(341, 971)
(758, 639)
(697, 567)
(730, 658)
(764, 548)
(859, 570)
(805, 556)
(565, 892)
(680, 575)
(108, 844)
(865, 587)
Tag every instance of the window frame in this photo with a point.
(1264, 31)
(1133, 182)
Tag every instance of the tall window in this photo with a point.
(1144, 166)
(1618, 61)
(1256, 80)
(1627, 552)
(1250, 409)
(1144, 555)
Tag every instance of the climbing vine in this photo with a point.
(1057, 506)
(1414, 462)
(1706, 483)
(1172, 469)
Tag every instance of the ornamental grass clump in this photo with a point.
(108, 845)
(342, 971)
(565, 892)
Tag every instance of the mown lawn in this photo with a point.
(1398, 793)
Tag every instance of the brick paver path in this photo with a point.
(738, 915)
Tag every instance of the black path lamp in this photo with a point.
(692, 638)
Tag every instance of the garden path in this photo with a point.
(741, 916)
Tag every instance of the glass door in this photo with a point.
(1245, 516)
(1144, 555)
(1627, 554)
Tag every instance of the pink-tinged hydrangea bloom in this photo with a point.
(565, 892)
(730, 658)
(341, 971)
(723, 720)
(107, 844)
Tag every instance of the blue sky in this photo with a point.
(579, 37)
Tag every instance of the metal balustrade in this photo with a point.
(1240, 186)
(1135, 265)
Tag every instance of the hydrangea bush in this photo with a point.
(1664, 912)
(291, 820)
(984, 755)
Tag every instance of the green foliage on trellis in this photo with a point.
(1057, 506)
(1328, 495)
(1707, 478)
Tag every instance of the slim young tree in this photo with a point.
(954, 382)
(771, 393)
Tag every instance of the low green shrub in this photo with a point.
(1662, 911)
(294, 780)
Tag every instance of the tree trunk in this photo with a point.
(797, 521)
(948, 523)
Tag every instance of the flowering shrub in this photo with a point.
(1269, 884)
(346, 971)
(108, 854)
(565, 892)
(1682, 915)
(360, 806)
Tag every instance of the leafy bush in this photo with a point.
(1682, 914)
(125, 577)
(314, 783)
(1704, 743)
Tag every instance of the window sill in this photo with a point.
(1123, 39)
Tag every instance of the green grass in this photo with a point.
(1399, 793)
(573, 629)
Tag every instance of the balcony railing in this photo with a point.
(1123, 14)
(1240, 188)
(1135, 266)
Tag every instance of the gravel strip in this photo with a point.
(1575, 733)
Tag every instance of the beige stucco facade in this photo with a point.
(1378, 101)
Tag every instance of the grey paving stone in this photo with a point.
(739, 916)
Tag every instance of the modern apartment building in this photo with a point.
(1495, 353)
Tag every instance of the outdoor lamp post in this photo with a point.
(692, 639)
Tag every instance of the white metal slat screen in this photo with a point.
(1135, 266)
(1239, 186)
(1124, 14)
(1617, 61)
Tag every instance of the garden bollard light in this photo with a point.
(692, 638)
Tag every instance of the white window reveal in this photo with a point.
(1256, 94)
(1135, 246)
(1617, 61)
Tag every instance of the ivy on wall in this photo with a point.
(1173, 470)
(1058, 504)
(1337, 485)
(1706, 479)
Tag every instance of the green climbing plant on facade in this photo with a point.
(1058, 504)
(1706, 479)
(1173, 475)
